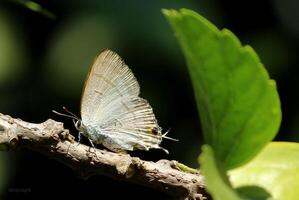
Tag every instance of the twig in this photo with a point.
(51, 139)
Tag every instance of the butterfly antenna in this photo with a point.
(169, 138)
(66, 110)
(70, 115)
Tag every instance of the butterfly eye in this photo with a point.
(78, 124)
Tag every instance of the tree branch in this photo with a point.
(51, 139)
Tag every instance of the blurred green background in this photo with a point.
(44, 61)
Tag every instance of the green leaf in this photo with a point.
(238, 104)
(276, 169)
(31, 5)
(217, 183)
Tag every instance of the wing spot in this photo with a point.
(98, 92)
(155, 131)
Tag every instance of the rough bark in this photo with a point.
(51, 139)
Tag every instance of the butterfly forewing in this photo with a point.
(109, 78)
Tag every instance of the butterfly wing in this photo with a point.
(110, 102)
(135, 126)
(109, 79)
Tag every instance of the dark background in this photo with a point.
(44, 61)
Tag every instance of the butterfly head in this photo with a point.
(76, 120)
(79, 125)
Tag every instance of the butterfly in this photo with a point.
(112, 112)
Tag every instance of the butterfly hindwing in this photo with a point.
(133, 119)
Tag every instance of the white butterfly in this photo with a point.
(112, 112)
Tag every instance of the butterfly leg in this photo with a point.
(93, 146)
(91, 143)
(79, 137)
